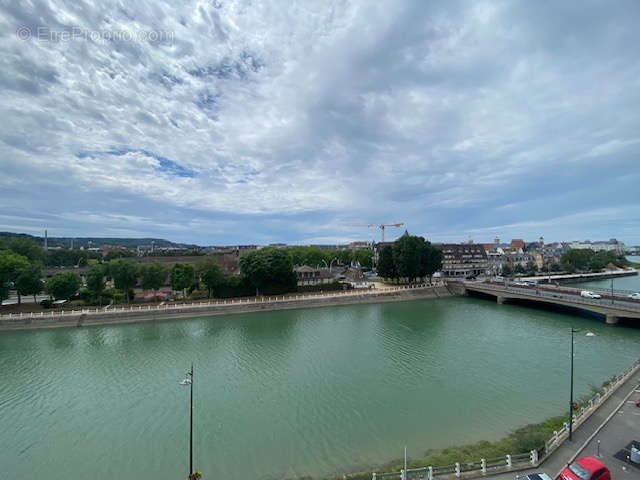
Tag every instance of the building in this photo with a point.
(307, 275)
(611, 245)
(463, 260)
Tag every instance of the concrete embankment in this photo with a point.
(206, 309)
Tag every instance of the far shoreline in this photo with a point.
(148, 313)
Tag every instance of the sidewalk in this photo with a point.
(570, 450)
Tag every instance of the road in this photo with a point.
(551, 292)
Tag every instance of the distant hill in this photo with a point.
(97, 241)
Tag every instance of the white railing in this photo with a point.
(275, 299)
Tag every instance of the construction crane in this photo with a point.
(380, 226)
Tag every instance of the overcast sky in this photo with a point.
(220, 122)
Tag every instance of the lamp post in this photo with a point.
(588, 334)
(571, 389)
(611, 290)
(188, 380)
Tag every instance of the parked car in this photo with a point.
(534, 476)
(635, 296)
(585, 468)
(588, 294)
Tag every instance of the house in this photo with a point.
(307, 275)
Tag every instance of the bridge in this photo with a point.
(611, 306)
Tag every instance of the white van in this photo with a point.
(588, 294)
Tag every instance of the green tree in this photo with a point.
(124, 274)
(95, 281)
(11, 264)
(344, 256)
(27, 248)
(268, 268)
(519, 269)
(182, 276)
(386, 267)
(507, 270)
(211, 275)
(364, 257)
(29, 281)
(154, 276)
(576, 259)
(414, 257)
(63, 285)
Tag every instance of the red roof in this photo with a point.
(488, 246)
(517, 243)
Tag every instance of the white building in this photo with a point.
(612, 245)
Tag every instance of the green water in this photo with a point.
(293, 393)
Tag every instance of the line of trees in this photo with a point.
(585, 259)
(314, 256)
(410, 257)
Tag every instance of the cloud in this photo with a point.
(278, 121)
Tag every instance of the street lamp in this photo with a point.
(188, 380)
(588, 334)
(611, 290)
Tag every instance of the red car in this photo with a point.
(585, 468)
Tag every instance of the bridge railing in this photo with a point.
(561, 294)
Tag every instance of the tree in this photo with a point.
(11, 264)
(124, 274)
(268, 268)
(211, 275)
(95, 281)
(576, 259)
(154, 276)
(29, 281)
(182, 275)
(433, 260)
(364, 257)
(26, 248)
(507, 270)
(519, 269)
(386, 267)
(414, 257)
(63, 285)
(344, 256)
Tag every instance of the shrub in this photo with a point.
(46, 303)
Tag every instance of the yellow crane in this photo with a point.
(380, 226)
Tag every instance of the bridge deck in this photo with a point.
(611, 306)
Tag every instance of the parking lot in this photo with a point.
(610, 444)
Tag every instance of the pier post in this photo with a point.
(500, 299)
(611, 319)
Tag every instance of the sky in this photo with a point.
(255, 122)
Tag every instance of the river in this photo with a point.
(291, 393)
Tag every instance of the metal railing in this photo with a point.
(559, 294)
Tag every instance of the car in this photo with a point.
(588, 294)
(534, 476)
(635, 296)
(585, 468)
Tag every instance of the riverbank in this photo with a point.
(135, 314)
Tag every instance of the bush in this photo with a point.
(76, 303)
(46, 303)
(199, 295)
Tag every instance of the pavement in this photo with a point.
(616, 423)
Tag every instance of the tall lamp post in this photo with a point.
(188, 380)
(588, 334)
(573, 330)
